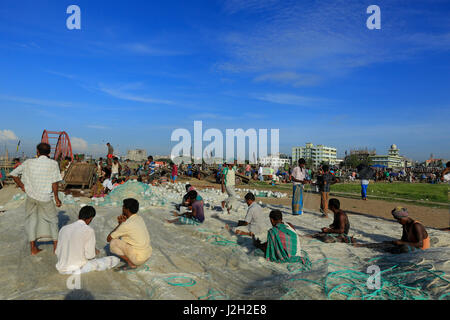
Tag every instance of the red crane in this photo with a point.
(60, 143)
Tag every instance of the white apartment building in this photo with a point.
(273, 161)
(317, 154)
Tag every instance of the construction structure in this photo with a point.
(60, 143)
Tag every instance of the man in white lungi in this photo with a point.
(40, 178)
(228, 185)
(76, 247)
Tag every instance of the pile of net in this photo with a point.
(153, 196)
(266, 193)
(392, 280)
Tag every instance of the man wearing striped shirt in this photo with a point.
(40, 178)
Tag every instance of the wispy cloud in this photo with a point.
(321, 38)
(123, 94)
(39, 102)
(211, 116)
(288, 77)
(61, 74)
(99, 127)
(291, 99)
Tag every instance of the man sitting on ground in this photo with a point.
(184, 202)
(338, 230)
(130, 239)
(283, 242)
(255, 223)
(76, 247)
(196, 216)
(414, 235)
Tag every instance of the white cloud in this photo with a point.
(7, 135)
(78, 144)
(95, 126)
(288, 77)
(290, 99)
(121, 94)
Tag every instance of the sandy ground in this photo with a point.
(232, 272)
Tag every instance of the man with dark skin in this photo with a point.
(195, 213)
(414, 234)
(339, 228)
(39, 203)
(273, 222)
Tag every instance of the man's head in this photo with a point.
(249, 198)
(325, 168)
(301, 163)
(130, 207)
(401, 215)
(334, 204)
(448, 164)
(275, 217)
(16, 160)
(108, 144)
(101, 159)
(43, 149)
(188, 186)
(150, 158)
(116, 159)
(191, 196)
(86, 214)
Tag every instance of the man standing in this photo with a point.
(324, 180)
(40, 178)
(110, 151)
(130, 239)
(365, 174)
(116, 168)
(228, 184)
(76, 247)
(298, 180)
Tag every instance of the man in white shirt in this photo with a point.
(260, 173)
(40, 179)
(76, 247)
(256, 222)
(107, 184)
(299, 178)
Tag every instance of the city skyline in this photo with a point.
(136, 71)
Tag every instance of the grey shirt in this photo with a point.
(258, 221)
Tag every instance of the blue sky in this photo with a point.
(137, 70)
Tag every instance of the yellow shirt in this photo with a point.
(134, 232)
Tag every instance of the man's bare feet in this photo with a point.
(55, 244)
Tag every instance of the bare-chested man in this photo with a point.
(338, 230)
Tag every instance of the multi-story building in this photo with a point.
(317, 154)
(274, 161)
(393, 160)
(137, 155)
